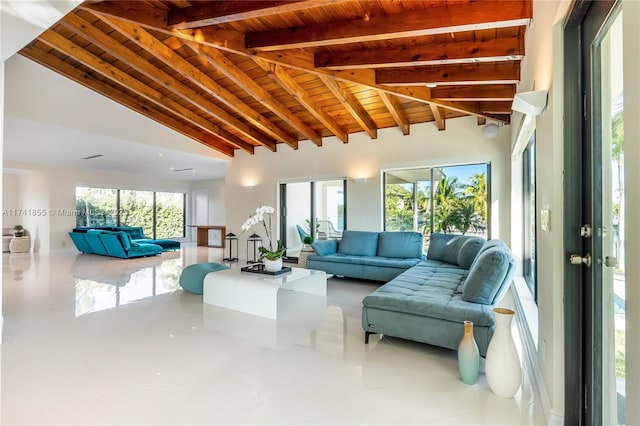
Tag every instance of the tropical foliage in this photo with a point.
(99, 207)
(456, 207)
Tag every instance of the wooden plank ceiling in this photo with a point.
(243, 74)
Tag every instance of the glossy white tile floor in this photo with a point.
(95, 340)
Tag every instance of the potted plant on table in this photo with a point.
(272, 258)
(18, 231)
(305, 252)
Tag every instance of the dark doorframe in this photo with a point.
(582, 324)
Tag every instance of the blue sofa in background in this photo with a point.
(461, 280)
(119, 241)
(377, 256)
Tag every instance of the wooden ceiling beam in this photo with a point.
(482, 73)
(226, 67)
(393, 106)
(452, 52)
(437, 117)
(168, 56)
(76, 74)
(123, 79)
(351, 104)
(220, 12)
(491, 92)
(231, 41)
(136, 13)
(432, 20)
(295, 90)
(111, 46)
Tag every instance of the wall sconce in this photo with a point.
(229, 239)
(359, 180)
(530, 103)
(249, 187)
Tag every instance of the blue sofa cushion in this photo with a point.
(400, 244)
(125, 239)
(359, 243)
(437, 245)
(325, 247)
(490, 244)
(468, 251)
(144, 249)
(489, 277)
(429, 294)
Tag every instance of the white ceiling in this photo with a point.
(52, 120)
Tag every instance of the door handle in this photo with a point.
(611, 262)
(576, 259)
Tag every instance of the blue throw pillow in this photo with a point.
(468, 252)
(489, 277)
(358, 243)
(404, 245)
(325, 247)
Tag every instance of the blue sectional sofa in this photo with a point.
(377, 256)
(461, 280)
(119, 241)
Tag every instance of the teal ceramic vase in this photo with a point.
(468, 356)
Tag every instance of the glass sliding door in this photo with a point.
(312, 208)
(329, 209)
(297, 217)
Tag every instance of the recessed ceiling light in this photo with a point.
(160, 155)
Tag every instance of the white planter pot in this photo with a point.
(273, 265)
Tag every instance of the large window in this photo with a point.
(160, 214)
(451, 199)
(529, 213)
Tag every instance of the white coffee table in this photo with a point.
(257, 294)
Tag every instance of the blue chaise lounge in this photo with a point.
(462, 279)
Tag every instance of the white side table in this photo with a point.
(20, 244)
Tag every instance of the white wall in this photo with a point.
(462, 142)
(542, 70)
(216, 204)
(46, 191)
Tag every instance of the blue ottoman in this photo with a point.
(192, 277)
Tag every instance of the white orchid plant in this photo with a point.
(262, 215)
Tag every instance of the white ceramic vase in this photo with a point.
(273, 265)
(502, 367)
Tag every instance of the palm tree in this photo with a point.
(477, 192)
(446, 204)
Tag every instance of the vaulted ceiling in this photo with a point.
(243, 74)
